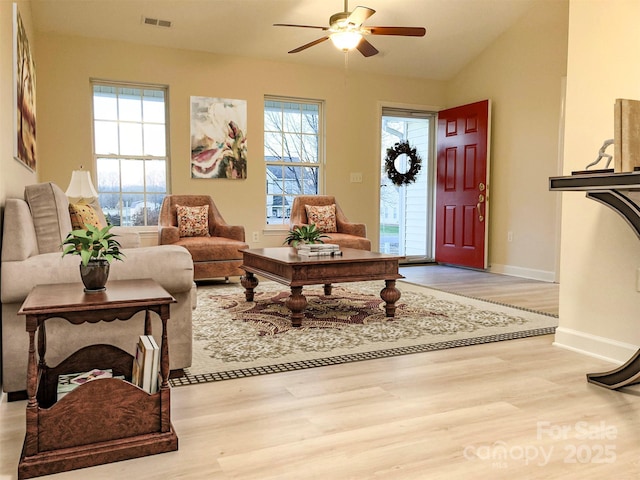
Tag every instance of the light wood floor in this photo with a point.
(506, 289)
(518, 409)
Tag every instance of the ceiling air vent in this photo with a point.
(154, 22)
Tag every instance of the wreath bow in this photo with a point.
(415, 164)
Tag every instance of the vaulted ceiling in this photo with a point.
(457, 30)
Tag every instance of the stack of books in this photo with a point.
(318, 249)
(146, 364)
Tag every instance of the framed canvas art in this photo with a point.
(218, 138)
(24, 86)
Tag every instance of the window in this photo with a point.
(292, 153)
(130, 151)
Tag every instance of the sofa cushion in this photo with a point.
(50, 212)
(82, 214)
(324, 217)
(193, 221)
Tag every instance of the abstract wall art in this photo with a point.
(24, 81)
(218, 138)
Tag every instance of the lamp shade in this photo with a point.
(81, 188)
(346, 40)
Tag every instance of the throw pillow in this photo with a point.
(193, 221)
(82, 214)
(324, 216)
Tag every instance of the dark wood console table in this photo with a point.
(619, 191)
(105, 420)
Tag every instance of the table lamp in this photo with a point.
(81, 188)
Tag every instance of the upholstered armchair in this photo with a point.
(305, 211)
(194, 222)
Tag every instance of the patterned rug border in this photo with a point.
(188, 379)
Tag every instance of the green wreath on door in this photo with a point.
(415, 164)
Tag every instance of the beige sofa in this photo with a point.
(33, 231)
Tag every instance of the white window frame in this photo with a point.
(319, 164)
(166, 158)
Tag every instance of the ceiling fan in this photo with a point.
(346, 31)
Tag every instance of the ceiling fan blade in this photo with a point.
(310, 44)
(403, 31)
(359, 15)
(301, 26)
(366, 49)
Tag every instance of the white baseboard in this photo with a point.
(594, 346)
(530, 273)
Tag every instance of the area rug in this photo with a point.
(234, 338)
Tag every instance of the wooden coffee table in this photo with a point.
(284, 265)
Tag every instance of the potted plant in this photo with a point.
(304, 234)
(97, 248)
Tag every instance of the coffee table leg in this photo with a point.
(296, 303)
(390, 294)
(327, 289)
(249, 282)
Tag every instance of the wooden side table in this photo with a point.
(106, 420)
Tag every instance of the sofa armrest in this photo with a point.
(168, 235)
(19, 235)
(169, 265)
(234, 232)
(357, 229)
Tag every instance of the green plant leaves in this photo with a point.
(92, 243)
(305, 234)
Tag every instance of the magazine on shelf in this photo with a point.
(94, 374)
(70, 381)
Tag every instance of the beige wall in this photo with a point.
(521, 73)
(66, 64)
(600, 253)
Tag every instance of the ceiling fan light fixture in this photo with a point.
(346, 41)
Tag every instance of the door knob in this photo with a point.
(481, 200)
(479, 207)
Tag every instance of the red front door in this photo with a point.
(461, 185)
